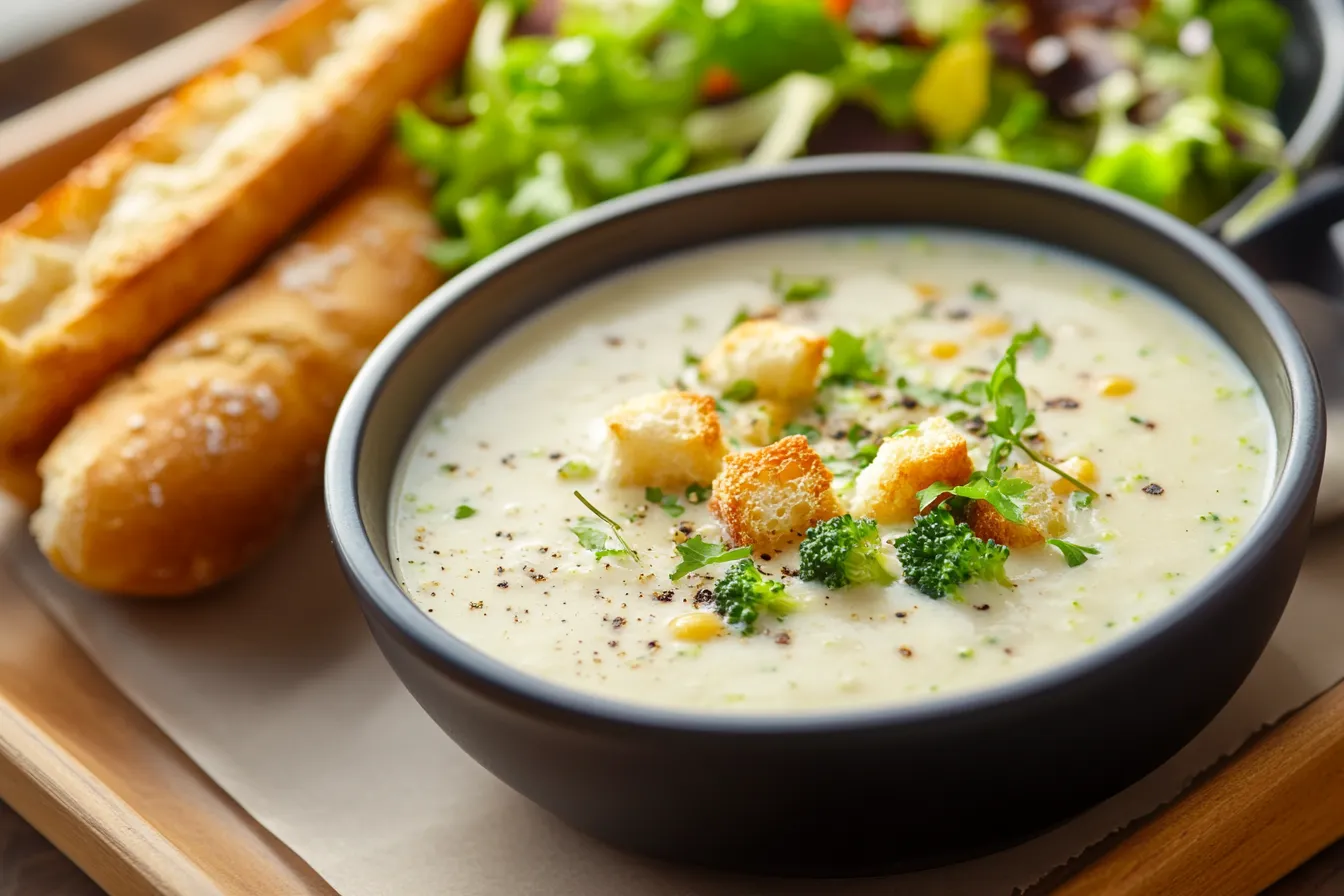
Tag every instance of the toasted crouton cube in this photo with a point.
(1043, 514)
(887, 489)
(758, 422)
(781, 360)
(665, 440)
(771, 496)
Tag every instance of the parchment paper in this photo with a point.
(275, 688)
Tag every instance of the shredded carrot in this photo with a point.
(718, 84)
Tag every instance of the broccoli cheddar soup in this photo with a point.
(829, 469)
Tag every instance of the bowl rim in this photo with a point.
(502, 682)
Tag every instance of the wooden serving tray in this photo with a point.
(95, 776)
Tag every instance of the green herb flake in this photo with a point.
(741, 317)
(689, 358)
(575, 469)
(811, 433)
(667, 502)
(849, 361)
(463, 511)
(588, 535)
(1081, 499)
(697, 553)
(792, 288)
(983, 291)
(1074, 554)
(697, 493)
(742, 390)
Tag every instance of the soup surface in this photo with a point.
(1132, 395)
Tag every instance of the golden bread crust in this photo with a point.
(770, 497)
(180, 473)
(887, 489)
(102, 265)
(780, 359)
(665, 440)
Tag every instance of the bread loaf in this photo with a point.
(132, 242)
(180, 473)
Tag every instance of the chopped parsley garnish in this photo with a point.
(1074, 554)
(595, 540)
(463, 511)
(575, 469)
(667, 502)
(697, 493)
(689, 358)
(983, 291)
(741, 317)
(1081, 499)
(696, 553)
(742, 390)
(792, 288)
(1210, 517)
(857, 433)
(850, 361)
(802, 429)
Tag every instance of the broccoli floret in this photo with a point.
(843, 551)
(743, 593)
(939, 554)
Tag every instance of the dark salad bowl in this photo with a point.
(1310, 108)
(853, 792)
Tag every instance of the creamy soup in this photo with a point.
(1132, 396)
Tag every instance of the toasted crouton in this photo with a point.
(781, 360)
(1043, 514)
(887, 489)
(771, 496)
(665, 440)
(758, 422)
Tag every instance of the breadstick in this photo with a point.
(179, 474)
(132, 242)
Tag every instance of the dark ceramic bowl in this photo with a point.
(851, 792)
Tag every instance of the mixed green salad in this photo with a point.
(556, 110)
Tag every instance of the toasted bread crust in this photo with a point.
(781, 360)
(179, 474)
(665, 440)
(1043, 514)
(887, 489)
(770, 497)
(18, 477)
(89, 288)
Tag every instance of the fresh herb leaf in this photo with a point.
(741, 317)
(697, 493)
(463, 511)
(697, 553)
(1081, 499)
(689, 358)
(742, 390)
(615, 531)
(667, 502)
(793, 288)
(850, 361)
(957, 416)
(1074, 554)
(983, 291)
(864, 456)
(1012, 416)
(1007, 496)
(802, 429)
(575, 469)
(857, 433)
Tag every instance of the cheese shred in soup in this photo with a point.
(1134, 399)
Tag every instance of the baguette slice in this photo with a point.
(133, 241)
(179, 474)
